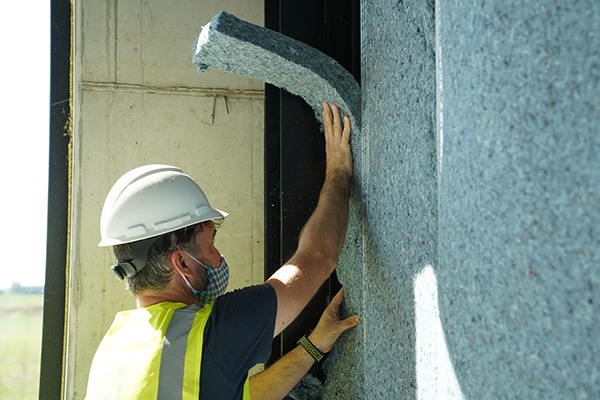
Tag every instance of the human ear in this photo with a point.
(179, 262)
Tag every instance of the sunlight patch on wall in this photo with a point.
(436, 378)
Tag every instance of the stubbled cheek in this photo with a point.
(215, 257)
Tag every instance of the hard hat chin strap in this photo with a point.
(127, 268)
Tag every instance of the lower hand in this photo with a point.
(331, 325)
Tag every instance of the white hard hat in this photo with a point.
(151, 200)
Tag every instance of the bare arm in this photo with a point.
(275, 382)
(323, 234)
(279, 379)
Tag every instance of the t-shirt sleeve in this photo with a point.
(239, 331)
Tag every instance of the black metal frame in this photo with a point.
(53, 339)
(294, 145)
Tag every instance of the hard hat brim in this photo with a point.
(150, 201)
(213, 215)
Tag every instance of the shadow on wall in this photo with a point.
(436, 378)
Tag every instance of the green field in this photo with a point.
(20, 345)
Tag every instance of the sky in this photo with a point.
(24, 111)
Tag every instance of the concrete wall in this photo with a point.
(479, 275)
(137, 100)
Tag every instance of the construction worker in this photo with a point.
(187, 338)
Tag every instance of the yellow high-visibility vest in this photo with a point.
(152, 353)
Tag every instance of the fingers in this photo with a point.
(337, 122)
(337, 141)
(349, 322)
(347, 129)
(332, 121)
(327, 120)
(331, 325)
(337, 299)
(335, 305)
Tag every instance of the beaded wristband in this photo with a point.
(310, 348)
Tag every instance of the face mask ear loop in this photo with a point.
(194, 258)
(195, 291)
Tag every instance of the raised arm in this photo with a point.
(323, 235)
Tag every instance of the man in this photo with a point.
(187, 339)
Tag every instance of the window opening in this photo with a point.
(25, 40)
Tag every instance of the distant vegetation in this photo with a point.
(18, 289)
(20, 341)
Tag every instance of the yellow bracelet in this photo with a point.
(310, 348)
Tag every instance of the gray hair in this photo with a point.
(157, 272)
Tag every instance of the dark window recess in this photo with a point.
(295, 147)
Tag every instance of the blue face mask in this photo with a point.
(218, 279)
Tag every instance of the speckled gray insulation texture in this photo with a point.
(230, 44)
(519, 196)
(509, 217)
(377, 361)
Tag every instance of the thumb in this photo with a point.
(348, 323)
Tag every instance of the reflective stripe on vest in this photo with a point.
(182, 354)
(152, 352)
